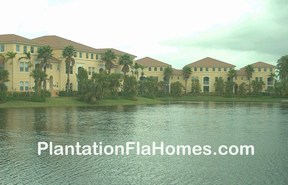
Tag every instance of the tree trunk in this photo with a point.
(68, 81)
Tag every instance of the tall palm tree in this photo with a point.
(186, 71)
(126, 61)
(167, 74)
(45, 53)
(136, 66)
(231, 75)
(272, 76)
(109, 57)
(10, 56)
(68, 53)
(27, 57)
(249, 71)
(282, 66)
(2, 60)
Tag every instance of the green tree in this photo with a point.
(82, 78)
(195, 87)
(167, 75)
(282, 67)
(130, 86)
(114, 83)
(4, 74)
(68, 53)
(136, 67)
(38, 75)
(229, 84)
(249, 72)
(219, 86)
(186, 71)
(10, 56)
(257, 86)
(242, 89)
(2, 61)
(109, 57)
(177, 89)
(126, 61)
(45, 54)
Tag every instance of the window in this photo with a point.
(161, 68)
(58, 67)
(259, 69)
(219, 68)
(25, 49)
(270, 69)
(261, 79)
(149, 69)
(207, 69)
(21, 85)
(50, 66)
(201, 68)
(213, 69)
(32, 49)
(26, 87)
(195, 68)
(93, 70)
(265, 69)
(92, 56)
(18, 48)
(24, 66)
(98, 57)
(87, 56)
(89, 70)
(2, 48)
(256, 78)
(225, 69)
(155, 68)
(216, 78)
(80, 55)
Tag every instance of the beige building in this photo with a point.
(20, 80)
(207, 71)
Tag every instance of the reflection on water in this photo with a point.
(262, 124)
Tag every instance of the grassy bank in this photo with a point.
(224, 99)
(74, 102)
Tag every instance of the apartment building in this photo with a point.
(20, 68)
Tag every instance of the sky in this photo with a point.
(177, 32)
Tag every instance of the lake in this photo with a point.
(263, 125)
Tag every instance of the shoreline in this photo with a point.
(74, 102)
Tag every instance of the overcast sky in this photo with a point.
(177, 32)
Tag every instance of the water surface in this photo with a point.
(263, 125)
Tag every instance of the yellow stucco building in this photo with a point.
(206, 70)
(20, 68)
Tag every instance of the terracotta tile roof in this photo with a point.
(117, 52)
(241, 72)
(12, 38)
(57, 42)
(176, 71)
(210, 62)
(150, 62)
(262, 64)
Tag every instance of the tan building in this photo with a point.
(153, 67)
(207, 70)
(87, 57)
(262, 72)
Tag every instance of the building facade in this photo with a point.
(20, 67)
(206, 70)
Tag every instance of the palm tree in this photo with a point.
(45, 53)
(109, 57)
(167, 74)
(282, 66)
(126, 61)
(27, 57)
(249, 71)
(68, 53)
(186, 71)
(2, 60)
(10, 56)
(272, 77)
(231, 75)
(136, 66)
